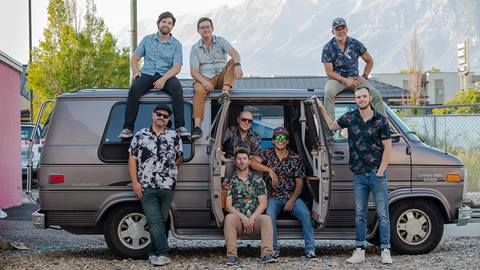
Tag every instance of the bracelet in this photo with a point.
(364, 75)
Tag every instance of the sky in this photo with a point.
(116, 14)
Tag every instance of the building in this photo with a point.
(24, 97)
(10, 165)
(392, 95)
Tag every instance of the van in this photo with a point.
(84, 185)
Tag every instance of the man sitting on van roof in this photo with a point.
(162, 60)
(283, 194)
(246, 201)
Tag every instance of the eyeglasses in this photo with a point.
(164, 116)
(246, 120)
(280, 138)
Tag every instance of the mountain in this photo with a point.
(286, 37)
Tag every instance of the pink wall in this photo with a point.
(10, 164)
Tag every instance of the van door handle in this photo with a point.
(338, 155)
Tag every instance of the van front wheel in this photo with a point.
(126, 232)
(416, 227)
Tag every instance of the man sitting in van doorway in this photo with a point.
(370, 149)
(246, 201)
(210, 69)
(155, 154)
(162, 60)
(340, 59)
(283, 194)
(242, 133)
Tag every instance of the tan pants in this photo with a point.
(226, 77)
(233, 228)
(334, 87)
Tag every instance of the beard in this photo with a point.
(364, 106)
(164, 31)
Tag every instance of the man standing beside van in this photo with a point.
(370, 148)
(162, 60)
(340, 59)
(155, 154)
(210, 69)
(246, 201)
(283, 194)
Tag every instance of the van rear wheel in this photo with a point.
(416, 227)
(126, 232)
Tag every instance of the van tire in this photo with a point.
(126, 247)
(416, 226)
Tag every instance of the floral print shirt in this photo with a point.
(232, 139)
(288, 169)
(344, 62)
(245, 193)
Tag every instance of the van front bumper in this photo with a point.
(38, 220)
(466, 215)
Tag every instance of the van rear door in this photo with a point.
(319, 183)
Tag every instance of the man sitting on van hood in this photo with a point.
(155, 154)
(162, 60)
(370, 148)
(283, 193)
(245, 203)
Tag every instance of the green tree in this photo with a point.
(462, 97)
(72, 56)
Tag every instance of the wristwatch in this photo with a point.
(364, 75)
(237, 64)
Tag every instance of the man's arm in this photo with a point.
(179, 160)
(236, 59)
(331, 74)
(368, 67)
(386, 156)
(332, 125)
(230, 209)
(198, 77)
(262, 205)
(134, 65)
(160, 83)
(298, 190)
(256, 165)
(132, 170)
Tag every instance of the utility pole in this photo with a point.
(133, 30)
(30, 54)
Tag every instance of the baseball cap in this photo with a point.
(163, 107)
(280, 130)
(338, 22)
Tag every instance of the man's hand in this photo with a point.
(238, 72)
(136, 75)
(289, 205)
(159, 84)
(138, 190)
(318, 101)
(247, 225)
(359, 80)
(350, 82)
(274, 178)
(208, 86)
(380, 173)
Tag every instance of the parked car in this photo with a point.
(84, 185)
(25, 135)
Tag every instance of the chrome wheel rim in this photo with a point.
(414, 227)
(132, 231)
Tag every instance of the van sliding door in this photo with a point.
(319, 183)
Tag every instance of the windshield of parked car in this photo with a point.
(402, 126)
(26, 133)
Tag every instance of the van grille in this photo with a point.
(71, 218)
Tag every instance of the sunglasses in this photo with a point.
(280, 138)
(246, 120)
(164, 116)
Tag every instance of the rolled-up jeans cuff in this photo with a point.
(384, 247)
(360, 244)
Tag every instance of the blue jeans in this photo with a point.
(300, 211)
(363, 184)
(156, 205)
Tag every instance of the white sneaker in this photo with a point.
(386, 257)
(159, 260)
(358, 256)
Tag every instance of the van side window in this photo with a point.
(115, 150)
(341, 109)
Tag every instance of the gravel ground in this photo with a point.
(51, 249)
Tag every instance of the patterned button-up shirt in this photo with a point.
(232, 139)
(365, 140)
(210, 62)
(345, 62)
(245, 193)
(288, 169)
(159, 57)
(156, 157)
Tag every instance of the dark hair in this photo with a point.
(166, 14)
(204, 19)
(360, 88)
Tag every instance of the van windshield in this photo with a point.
(402, 126)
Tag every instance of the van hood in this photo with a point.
(423, 154)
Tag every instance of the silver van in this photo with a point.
(84, 185)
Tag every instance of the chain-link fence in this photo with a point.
(458, 134)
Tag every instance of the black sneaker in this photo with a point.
(276, 254)
(125, 134)
(268, 259)
(310, 255)
(224, 95)
(197, 133)
(232, 260)
(183, 132)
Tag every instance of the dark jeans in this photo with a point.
(156, 205)
(143, 84)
